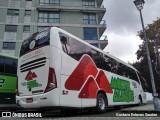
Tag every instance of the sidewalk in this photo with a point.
(146, 107)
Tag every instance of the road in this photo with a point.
(111, 114)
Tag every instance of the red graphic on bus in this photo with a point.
(103, 82)
(30, 76)
(85, 68)
(89, 89)
(85, 73)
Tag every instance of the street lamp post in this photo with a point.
(139, 4)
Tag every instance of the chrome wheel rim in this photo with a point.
(101, 103)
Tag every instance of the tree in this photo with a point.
(153, 34)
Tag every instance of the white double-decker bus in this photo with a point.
(57, 69)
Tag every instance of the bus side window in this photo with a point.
(65, 45)
(77, 48)
(95, 55)
(109, 64)
(106, 63)
(2, 64)
(133, 75)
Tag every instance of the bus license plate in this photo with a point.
(29, 100)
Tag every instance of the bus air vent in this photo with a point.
(33, 64)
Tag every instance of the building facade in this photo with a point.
(20, 18)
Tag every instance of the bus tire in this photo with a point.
(102, 103)
(140, 101)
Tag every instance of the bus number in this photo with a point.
(2, 82)
(41, 35)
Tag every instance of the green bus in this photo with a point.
(8, 81)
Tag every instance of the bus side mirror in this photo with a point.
(63, 40)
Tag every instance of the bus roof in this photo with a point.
(9, 56)
(117, 59)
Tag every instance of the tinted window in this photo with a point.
(1, 64)
(95, 55)
(72, 47)
(90, 34)
(38, 39)
(122, 70)
(77, 49)
(126, 71)
(133, 75)
(109, 64)
(11, 66)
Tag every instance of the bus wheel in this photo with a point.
(140, 101)
(101, 103)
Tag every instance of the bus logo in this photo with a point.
(32, 44)
(30, 76)
(31, 81)
(2, 82)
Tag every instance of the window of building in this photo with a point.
(9, 45)
(26, 28)
(49, 2)
(48, 17)
(40, 28)
(89, 18)
(90, 34)
(12, 12)
(27, 13)
(90, 3)
(11, 28)
(95, 45)
(28, 0)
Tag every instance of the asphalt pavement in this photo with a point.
(145, 112)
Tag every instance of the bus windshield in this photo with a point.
(37, 40)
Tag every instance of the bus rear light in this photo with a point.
(52, 85)
(52, 82)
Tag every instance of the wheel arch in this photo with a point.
(141, 99)
(103, 92)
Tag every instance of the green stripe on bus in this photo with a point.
(5, 55)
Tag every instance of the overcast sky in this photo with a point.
(123, 23)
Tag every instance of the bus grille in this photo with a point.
(33, 64)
